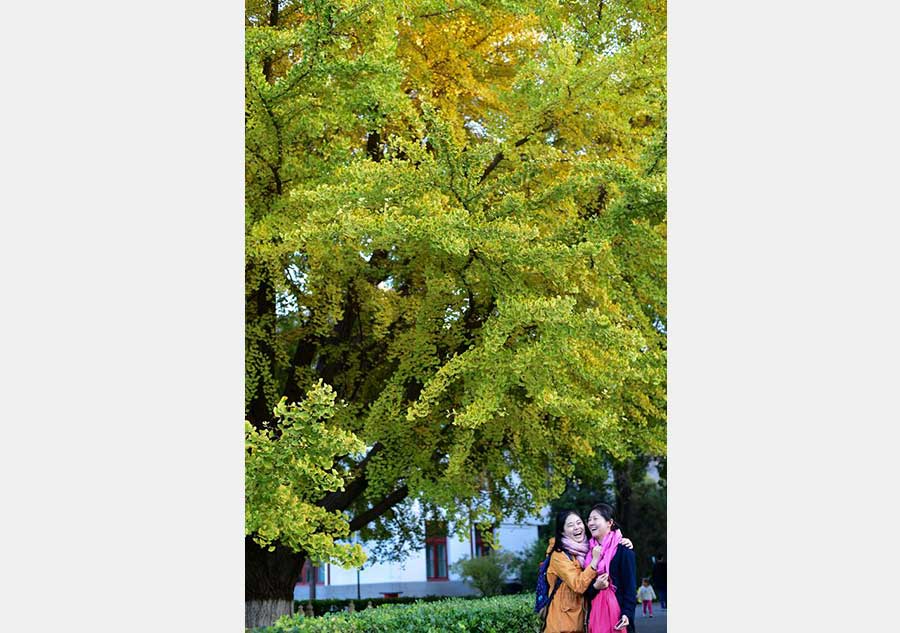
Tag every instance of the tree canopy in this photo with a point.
(456, 218)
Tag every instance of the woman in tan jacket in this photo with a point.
(569, 547)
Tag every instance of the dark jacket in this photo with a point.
(622, 574)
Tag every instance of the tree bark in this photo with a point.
(273, 22)
(269, 579)
(264, 612)
(622, 478)
(363, 519)
(270, 576)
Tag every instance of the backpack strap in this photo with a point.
(552, 593)
(555, 587)
(558, 580)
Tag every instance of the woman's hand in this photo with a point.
(623, 623)
(595, 555)
(602, 581)
(627, 543)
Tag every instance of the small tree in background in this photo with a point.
(488, 573)
(529, 562)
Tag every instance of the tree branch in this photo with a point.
(273, 22)
(373, 146)
(439, 13)
(496, 161)
(303, 357)
(379, 508)
(341, 500)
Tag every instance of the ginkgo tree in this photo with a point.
(456, 219)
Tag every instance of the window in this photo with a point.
(436, 549)
(481, 546)
(306, 574)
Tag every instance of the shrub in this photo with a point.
(500, 614)
(334, 605)
(487, 573)
(529, 563)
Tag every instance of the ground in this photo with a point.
(656, 624)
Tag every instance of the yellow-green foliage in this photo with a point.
(290, 465)
(461, 208)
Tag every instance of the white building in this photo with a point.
(425, 572)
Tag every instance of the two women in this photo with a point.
(568, 563)
(590, 570)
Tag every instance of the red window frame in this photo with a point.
(324, 571)
(433, 542)
(481, 548)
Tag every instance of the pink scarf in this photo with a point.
(609, 546)
(578, 550)
(605, 612)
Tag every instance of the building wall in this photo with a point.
(517, 538)
(410, 578)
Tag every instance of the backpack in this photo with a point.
(543, 596)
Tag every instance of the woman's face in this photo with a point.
(598, 526)
(574, 528)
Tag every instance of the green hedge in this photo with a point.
(500, 614)
(333, 605)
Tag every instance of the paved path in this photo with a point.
(656, 624)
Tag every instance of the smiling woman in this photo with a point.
(569, 548)
(611, 604)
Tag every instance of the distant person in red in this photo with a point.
(658, 576)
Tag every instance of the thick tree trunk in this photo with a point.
(622, 477)
(265, 612)
(269, 579)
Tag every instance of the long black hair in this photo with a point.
(561, 517)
